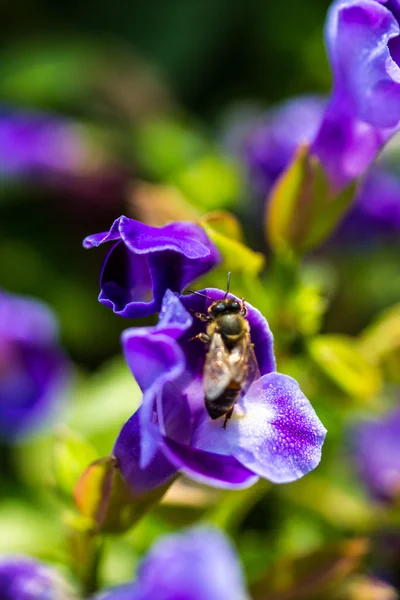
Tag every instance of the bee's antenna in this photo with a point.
(228, 284)
(200, 294)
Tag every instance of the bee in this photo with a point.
(230, 363)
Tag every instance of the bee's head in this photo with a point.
(227, 305)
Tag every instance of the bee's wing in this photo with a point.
(243, 362)
(217, 369)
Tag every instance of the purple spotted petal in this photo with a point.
(146, 261)
(23, 578)
(196, 565)
(274, 431)
(377, 454)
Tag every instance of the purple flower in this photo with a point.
(362, 38)
(145, 261)
(363, 111)
(270, 146)
(52, 150)
(271, 141)
(375, 214)
(33, 368)
(196, 565)
(23, 578)
(377, 455)
(273, 433)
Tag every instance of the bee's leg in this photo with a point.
(203, 337)
(201, 316)
(227, 417)
(243, 309)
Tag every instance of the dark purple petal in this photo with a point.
(124, 276)
(274, 431)
(208, 467)
(146, 261)
(377, 454)
(199, 564)
(127, 451)
(23, 578)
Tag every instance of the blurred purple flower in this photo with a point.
(273, 433)
(33, 368)
(197, 565)
(23, 578)
(363, 43)
(270, 145)
(145, 261)
(377, 454)
(271, 140)
(55, 151)
(363, 111)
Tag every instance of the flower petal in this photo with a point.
(274, 431)
(359, 34)
(125, 283)
(154, 359)
(183, 237)
(127, 451)
(95, 240)
(208, 467)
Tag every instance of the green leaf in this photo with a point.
(212, 182)
(342, 361)
(304, 208)
(224, 230)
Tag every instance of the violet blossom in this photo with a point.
(376, 446)
(273, 433)
(199, 564)
(24, 578)
(363, 110)
(145, 261)
(362, 39)
(33, 368)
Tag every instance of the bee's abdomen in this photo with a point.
(223, 404)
